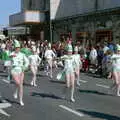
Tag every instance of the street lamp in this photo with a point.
(50, 22)
(51, 31)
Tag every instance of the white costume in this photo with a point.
(77, 64)
(19, 62)
(49, 54)
(69, 70)
(116, 69)
(34, 63)
(77, 61)
(115, 62)
(93, 56)
(68, 63)
(19, 65)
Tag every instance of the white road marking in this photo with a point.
(83, 81)
(72, 111)
(6, 81)
(4, 105)
(104, 86)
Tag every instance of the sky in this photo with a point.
(8, 7)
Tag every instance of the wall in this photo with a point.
(64, 8)
(32, 5)
(106, 4)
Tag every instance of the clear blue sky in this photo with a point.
(8, 7)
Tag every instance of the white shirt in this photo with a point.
(93, 54)
(49, 54)
(77, 59)
(34, 59)
(19, 60)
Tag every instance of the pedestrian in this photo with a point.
(116, 69)
(77, 64)
(49, 55)
(93, 57)
(19, 65)
(7, 62)
(69, 71)
(34, 61)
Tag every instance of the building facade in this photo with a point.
(33, 16)
(87, 21)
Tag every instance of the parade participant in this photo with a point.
(49, 54)
(34, 61)
(7, 61)
(116, 69)
(69, 71)
(77, 65)
(19, 65)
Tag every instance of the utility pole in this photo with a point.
(51, 31)
(96, 5)
(50, 22)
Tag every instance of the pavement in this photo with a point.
(95, 100)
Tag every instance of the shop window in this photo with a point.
(103, 36)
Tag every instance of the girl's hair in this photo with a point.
(109, 52)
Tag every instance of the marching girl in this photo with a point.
(34, 61)
(7, 62)
(77, 64)
(19, 65)
(69, 71)
(49, 55)
(116, 69)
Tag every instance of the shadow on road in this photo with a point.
(11, 101)
(46, 95)
(59, 82)
(94, 75)
(103, 116)
(94, 92)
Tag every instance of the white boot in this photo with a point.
(21, 103)
(78, 82)
(72, 93)
(15, 95)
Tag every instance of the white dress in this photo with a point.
(93, 56)
(115, 63)
(49, 54)
(77, 61)
(19, 62)
(68, 63)
(34, 60)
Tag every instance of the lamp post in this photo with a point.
(51, 30)
(50, 22)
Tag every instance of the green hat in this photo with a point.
(69, 48)
(76, 49)
(16, 43)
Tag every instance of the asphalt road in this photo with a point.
(95, 100)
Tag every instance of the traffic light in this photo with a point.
(5, 32)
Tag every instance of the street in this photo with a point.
(95, 100)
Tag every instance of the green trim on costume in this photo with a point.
(26, 51)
